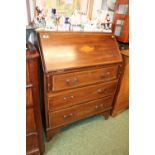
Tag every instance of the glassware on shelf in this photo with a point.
(53, 11)
(67, 24)
(61, 23)
(78, 21)
(40, 20)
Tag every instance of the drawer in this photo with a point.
(29, 101)
(65, 99)
(77, 112)
(81, 78)
(30, 120)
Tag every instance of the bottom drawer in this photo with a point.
(77, 112)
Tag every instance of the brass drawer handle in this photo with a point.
(98, 106)
(101, 90)
(105, 75)
(68, 82)
(72, 81)
(76, 79)
(68, 116)
(65, 98)
(72, 96)
(68, 97)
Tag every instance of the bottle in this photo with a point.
(67, 24)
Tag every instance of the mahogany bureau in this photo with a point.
(34, 130)
(81, 72)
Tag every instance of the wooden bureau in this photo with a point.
(34, 130)
(81, 73)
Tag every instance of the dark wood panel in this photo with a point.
(30, 120)
(34, 140)
(62, 50)
(72, 97)
(123, 1)
(27, 74)
(29, 100)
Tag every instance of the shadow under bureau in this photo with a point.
(81, 73)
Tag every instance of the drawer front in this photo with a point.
(68, 98)
(70, 80)
(29, 101)
(77, 112)
(30, 120)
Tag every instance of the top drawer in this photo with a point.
(81, 78)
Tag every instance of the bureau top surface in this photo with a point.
(69, 50)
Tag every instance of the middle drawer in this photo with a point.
(68, 98)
